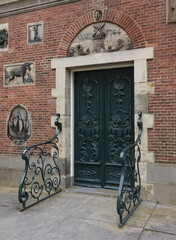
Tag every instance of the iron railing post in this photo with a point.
(128, 196)
(41, 175)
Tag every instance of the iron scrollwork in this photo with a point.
(128, 197)
(41, 178)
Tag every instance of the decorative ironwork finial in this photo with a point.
(139, 121)
(57, 123)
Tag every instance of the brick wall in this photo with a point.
(144, 20)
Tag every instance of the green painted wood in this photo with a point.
(104, 124)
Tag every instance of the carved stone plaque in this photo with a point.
(19, 74)
(100, 37)
(35, 33)
(3, 37)
(18, 126)
(171, 10)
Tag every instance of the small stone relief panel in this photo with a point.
(19, 74)
(18, 125)
(100, 37)
(171, 10)
(4, 37)
(35, 32)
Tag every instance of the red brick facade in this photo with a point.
(109, 15)
(146, 24)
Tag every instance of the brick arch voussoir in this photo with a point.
(109, 15)
(128, 24)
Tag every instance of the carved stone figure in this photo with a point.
(97, 15)
(120, 44)
(3, 38)
(18, 126)
(79, 50)
(22, 72)
(35, 29)
(35, 33)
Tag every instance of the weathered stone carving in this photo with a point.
(35, 33)
(98, 15)
(18, 126)
(171, 9)
(79, 50)
(100, 37)
(19, 74)
(120, 44)
(3, 37)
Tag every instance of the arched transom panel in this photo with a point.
(100, 37)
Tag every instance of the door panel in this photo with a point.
(103, 124)
(119, 121)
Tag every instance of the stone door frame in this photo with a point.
(65, 68)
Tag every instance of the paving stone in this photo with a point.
(99, 208)
(8, 205)
(6, 211)
(163, 219)
(29, 225)
(9, 199)
(64, 203)
(83, 216)
(147, 235)
(141, 215)
(83, 229)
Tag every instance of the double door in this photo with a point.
(103, 124)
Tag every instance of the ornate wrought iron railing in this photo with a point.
(128, 197)
(41, 177)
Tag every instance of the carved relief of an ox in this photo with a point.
(21, 71)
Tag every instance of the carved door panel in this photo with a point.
(104, 124)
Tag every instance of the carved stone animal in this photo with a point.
(19, 72)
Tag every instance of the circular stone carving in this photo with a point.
(18, 126)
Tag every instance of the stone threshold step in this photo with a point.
(92, 191)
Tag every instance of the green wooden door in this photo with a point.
(104, 124)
